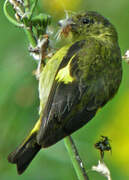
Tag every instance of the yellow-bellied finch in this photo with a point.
(79, 79)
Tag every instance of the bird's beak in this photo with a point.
(65, 22)
(66, 26)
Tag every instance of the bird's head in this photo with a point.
(86, 24)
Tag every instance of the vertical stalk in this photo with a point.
(30, 36)
(26, 5)
(75, 158)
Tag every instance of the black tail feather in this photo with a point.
(24, 154)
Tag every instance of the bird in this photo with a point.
(78, 80)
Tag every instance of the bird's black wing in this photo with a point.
(65, 111)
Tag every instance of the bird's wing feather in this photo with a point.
(64, 112)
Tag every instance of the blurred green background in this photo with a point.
(19, 102)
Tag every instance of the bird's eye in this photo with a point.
(85, 21)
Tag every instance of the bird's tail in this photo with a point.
(24, 154)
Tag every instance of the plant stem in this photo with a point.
(33, 8)
(13, 21)
(30, 36)
(75, 158)
(27, 30)
(26, 5)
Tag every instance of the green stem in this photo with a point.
(30, 36)
(13, 21)
(26, 5)
(75, 158)
(27, 30)
(33, 8)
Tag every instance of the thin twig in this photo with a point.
(75, 158)
(27, 6)
(12, 20)
(30, 36)
(33, 8)
(27, 30)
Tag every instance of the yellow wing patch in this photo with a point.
(36, 127)
(64, 74)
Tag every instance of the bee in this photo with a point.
(103, 145)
